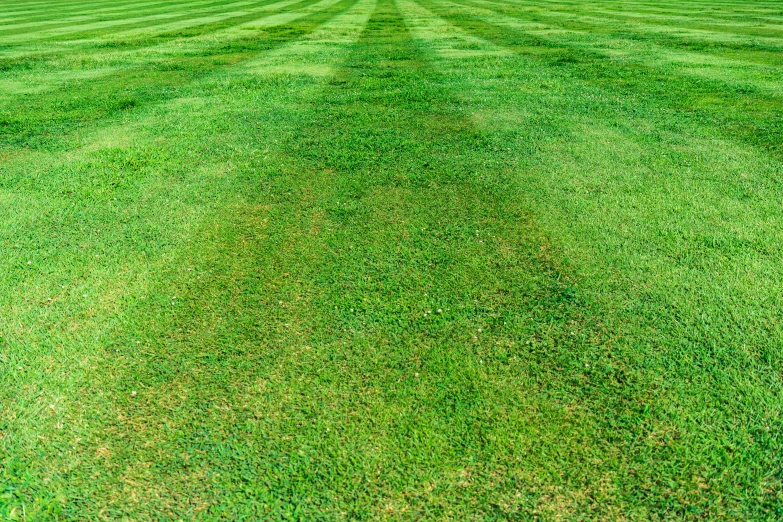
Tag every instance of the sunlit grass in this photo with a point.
(390, 259)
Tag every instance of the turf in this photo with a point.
(391, 259)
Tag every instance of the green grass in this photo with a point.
(391, 259)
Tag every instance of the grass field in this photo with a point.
(391, 259)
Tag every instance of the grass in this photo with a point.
(391, 259)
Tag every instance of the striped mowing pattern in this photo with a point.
(381, 259)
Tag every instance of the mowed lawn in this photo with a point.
(391, 259)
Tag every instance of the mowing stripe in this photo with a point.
(447, 40)
(153, 20)
(603, 134)
(83, 14)
(263, 246)
(139, 38)
(345, 28)
(318, 52)
(755, 124)
(80, 22)
(39, 79)
(699, 39)
(115, 13)
(737, 72)
(58, 127)
(221, 244)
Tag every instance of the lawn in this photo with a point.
(391, 259)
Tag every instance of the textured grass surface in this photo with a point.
(391, 259)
